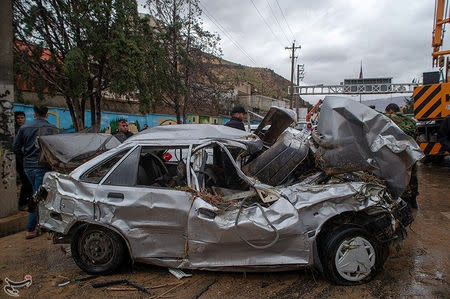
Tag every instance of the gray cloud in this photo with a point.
(392, 38)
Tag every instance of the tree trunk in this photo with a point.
(92, 104)
(75, 113)
(98, 112)
(177, 109)
(184, 114)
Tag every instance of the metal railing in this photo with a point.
(382, 88)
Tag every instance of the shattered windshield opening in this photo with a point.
(98, 172)
(162, 167)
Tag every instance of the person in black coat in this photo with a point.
(26, 189)
(232, 180)
(122, 132)
(25, 146)
(237, 116)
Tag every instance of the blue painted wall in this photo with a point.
(61, 118)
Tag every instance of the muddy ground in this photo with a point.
(420, 268)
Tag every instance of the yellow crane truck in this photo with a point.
(432, 99)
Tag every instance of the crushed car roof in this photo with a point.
(186, 134)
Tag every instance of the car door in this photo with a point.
(152, 219)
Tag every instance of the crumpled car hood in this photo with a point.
(352, 136)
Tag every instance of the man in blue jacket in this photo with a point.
(25, 145)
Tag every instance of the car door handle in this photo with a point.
(115, 195)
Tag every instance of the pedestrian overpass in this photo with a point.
(354, 89)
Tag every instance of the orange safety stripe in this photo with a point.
(436, 148)
(419, 101)
(428, 106)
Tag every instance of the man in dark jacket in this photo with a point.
(237, 116)
(232, 180)
(122, 132)
(26, 190)
(25, 144)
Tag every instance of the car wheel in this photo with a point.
(97, 250)
(350, 256)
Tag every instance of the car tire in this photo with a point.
(97, 250)
(351, 256)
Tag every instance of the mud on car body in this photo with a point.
(297, 199)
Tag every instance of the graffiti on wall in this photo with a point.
(166, 121)
(61, 118)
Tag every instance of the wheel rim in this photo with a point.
(96, 248)
(355, 258)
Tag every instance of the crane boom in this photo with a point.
(439, 21)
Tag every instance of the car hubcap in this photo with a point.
(97, 248)
(355, 258)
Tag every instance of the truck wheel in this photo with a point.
(350, 256)
(97, 250)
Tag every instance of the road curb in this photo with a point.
(13, 224)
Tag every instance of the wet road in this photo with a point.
(420, 268)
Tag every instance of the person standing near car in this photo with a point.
(26, 189)
(122, 132)
(408, 126)
(232, 180)
(402, 121)
(25, 145)
(237, 116)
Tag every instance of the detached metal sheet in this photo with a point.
(275, 164)
(356, 137)
(68, 151)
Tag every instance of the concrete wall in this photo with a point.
(8, 193)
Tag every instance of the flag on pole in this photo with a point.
(360, 72)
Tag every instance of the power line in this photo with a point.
(276, 19)
(224, 31)
(267, 24)
(221, 28)
(284, 17)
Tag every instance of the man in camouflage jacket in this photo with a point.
(408, 126)
(404, 122)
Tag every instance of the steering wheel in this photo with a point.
(161, 162)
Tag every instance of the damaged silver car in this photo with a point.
(216, 198)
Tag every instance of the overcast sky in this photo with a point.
(391, 38)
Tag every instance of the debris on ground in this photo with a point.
(63, 283)
(86, 278)
(178, 273)
(121, 281)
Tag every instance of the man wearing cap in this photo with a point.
(232, 180)
(237, 116)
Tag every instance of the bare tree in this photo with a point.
(189, 50)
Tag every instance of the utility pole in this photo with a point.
(9, 203)
(293, 48)
(300, 76)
